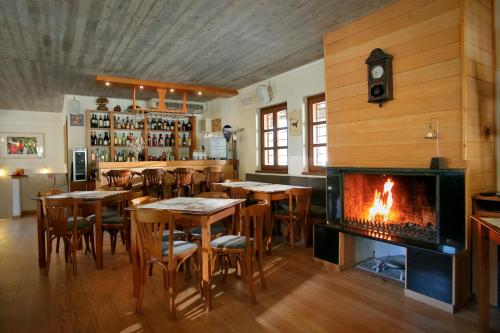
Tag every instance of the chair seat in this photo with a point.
(230, 242)
(82, 223)
(180, 248)
(113, 220)
(178, 234)
(215, 229)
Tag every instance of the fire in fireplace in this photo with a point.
(391, 205)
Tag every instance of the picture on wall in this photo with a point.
(76, 120)
(21, 145)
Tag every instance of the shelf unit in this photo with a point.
(177, 149)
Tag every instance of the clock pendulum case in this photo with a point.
(379, 77)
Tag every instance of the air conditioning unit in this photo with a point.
(192, 107)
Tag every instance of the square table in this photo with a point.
(201, 211)
(95, 199)
(269, 193)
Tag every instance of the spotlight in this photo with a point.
(141, 87)
(172, 90)
(199, 93)
(107, 84)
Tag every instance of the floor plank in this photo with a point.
(302, 297)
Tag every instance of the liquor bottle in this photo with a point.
(188, 126)
(97, 156)
(160, 140)
(115, 140)
(167, 141)
(132, 125)
(149, 140)
(183, 127)
(189, 141)
(184, 142)
(155, 142)
(172, 125)
(165, 125)
(123, 141)
(99, 141)
(159, 124)
(105, 140)
(100, 121)
(127, 124)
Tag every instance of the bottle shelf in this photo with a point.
(101, 146)
(100, 128)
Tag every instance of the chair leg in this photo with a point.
(258, 258)
(112, 235)
(57, 244)
(165, 279)
(122, 236)
(74, 247)
(92, 243)
(248, 272)
(49, 254)
(138, 307)
(87, 247)
(292, 234)
(172, 293)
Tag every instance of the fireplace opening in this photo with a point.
(386, 260)
(385, 205)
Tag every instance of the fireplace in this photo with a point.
(411, 207)
(391, 205)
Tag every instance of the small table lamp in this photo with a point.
(436, 162)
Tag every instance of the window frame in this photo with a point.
(311, 168)
(274, 109)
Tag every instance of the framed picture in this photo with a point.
(76, 120)
(295, 123)
(21, 145)
(216, 125)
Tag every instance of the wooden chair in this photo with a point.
(60, 216)
(183, 180)
(296, 213)
(119, 222)
(119, 179)
(153, 181)
(244, 247)
(212, 174)
(154, 251)
(47, 193)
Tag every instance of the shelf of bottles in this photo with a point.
(138, 136)
(161, 137)
(100, 138)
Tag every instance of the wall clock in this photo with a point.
(379, 77)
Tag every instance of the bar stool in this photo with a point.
(153, 181)
(183, 180)
(212, 174)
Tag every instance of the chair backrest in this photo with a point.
(238, 193)
(300, 200)
(183, 176)
(231, 180)
(153, 177)
(119, 178)
(57, 213)
(253, 220)
(150, 226)
(213, 174)
(214, 195)
(46, 193)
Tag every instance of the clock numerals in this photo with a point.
(377, 72)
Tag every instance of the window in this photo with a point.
(274, 139)
(317, 133)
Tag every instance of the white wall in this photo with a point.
(242, 111)
(51, 125)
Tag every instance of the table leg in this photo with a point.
(42, 253)
(206, 263)
(483, 277)
(98, 236)
(136, 277)
(269, 224)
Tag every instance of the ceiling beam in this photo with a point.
(206, 91)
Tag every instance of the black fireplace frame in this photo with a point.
(450, 207)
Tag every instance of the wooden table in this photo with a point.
(94, 199)
(200, 211)
(268, 192)
(487, 228)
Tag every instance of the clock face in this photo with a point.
(377, 72)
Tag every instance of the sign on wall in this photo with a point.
(295, 124)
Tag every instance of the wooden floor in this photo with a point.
(302, 297)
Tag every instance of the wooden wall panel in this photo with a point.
(479, 85)
(424, 38)
(443, 67)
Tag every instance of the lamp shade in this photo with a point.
(74, 106)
